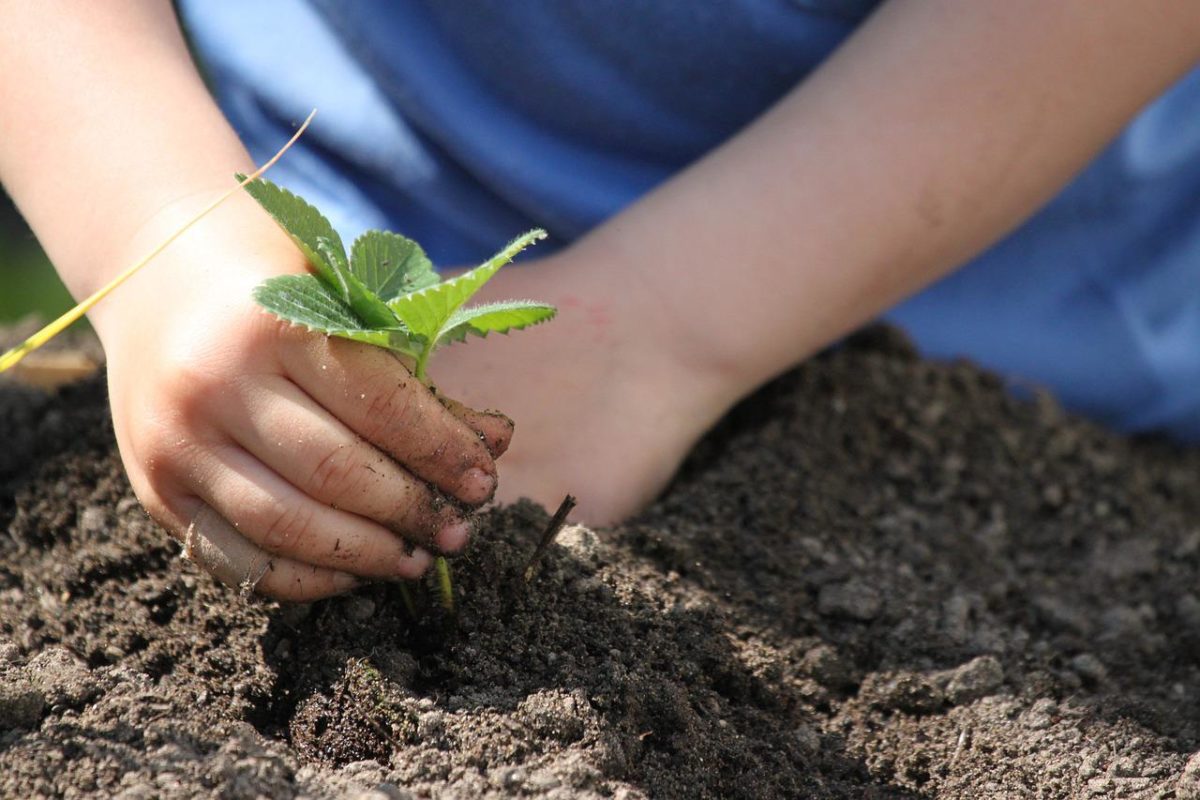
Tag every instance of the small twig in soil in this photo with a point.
(556, 524)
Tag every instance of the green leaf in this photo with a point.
(336, 279)
(366, 304)
(426, 312)
(390, 264)
(307, 301)
(306, 226)
(495, 318)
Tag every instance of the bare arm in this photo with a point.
(105, 123)
(937, 128)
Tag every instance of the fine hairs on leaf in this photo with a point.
(386, 293)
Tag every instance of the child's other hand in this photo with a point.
(608, 398)
(284, 460)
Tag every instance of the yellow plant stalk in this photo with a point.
(14, 356)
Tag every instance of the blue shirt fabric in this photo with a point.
(463, 123)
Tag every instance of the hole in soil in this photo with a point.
(159, 665)
(162, 609)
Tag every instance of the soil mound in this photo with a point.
(878, 578)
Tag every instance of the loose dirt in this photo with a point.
(878, 578)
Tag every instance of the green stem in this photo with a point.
(444, 583)
(407, 598)
(419, 373)
(443, 567)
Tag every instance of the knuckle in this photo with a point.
(166, 456)
(160, 445)
(191, 390)
(334, 474)
(285, 528)
(418, 512)
(391, 408)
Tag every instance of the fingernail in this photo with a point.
(415, 563)
(477, 484)
(344, 582)
(453, 536)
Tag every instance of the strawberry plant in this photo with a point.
(384, 292)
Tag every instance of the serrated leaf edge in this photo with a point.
(465, 313)
(314, 257)
(391, 338)
(487, 270)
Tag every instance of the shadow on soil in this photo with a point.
(640, 675)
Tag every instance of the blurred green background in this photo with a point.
(28, 283)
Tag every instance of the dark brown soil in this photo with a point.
(880, 578)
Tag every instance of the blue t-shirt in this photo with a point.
(463, 123)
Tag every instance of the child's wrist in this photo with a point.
(661, 336)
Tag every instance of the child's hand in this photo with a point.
(609, 398)
(285, 460)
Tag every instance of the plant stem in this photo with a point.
(407, 598)
(444, 583)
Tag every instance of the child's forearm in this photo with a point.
(935, 130)
(104, 122)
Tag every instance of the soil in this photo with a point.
(878, 578)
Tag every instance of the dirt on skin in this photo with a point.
(879, 578)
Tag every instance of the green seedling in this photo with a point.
(385, 292)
